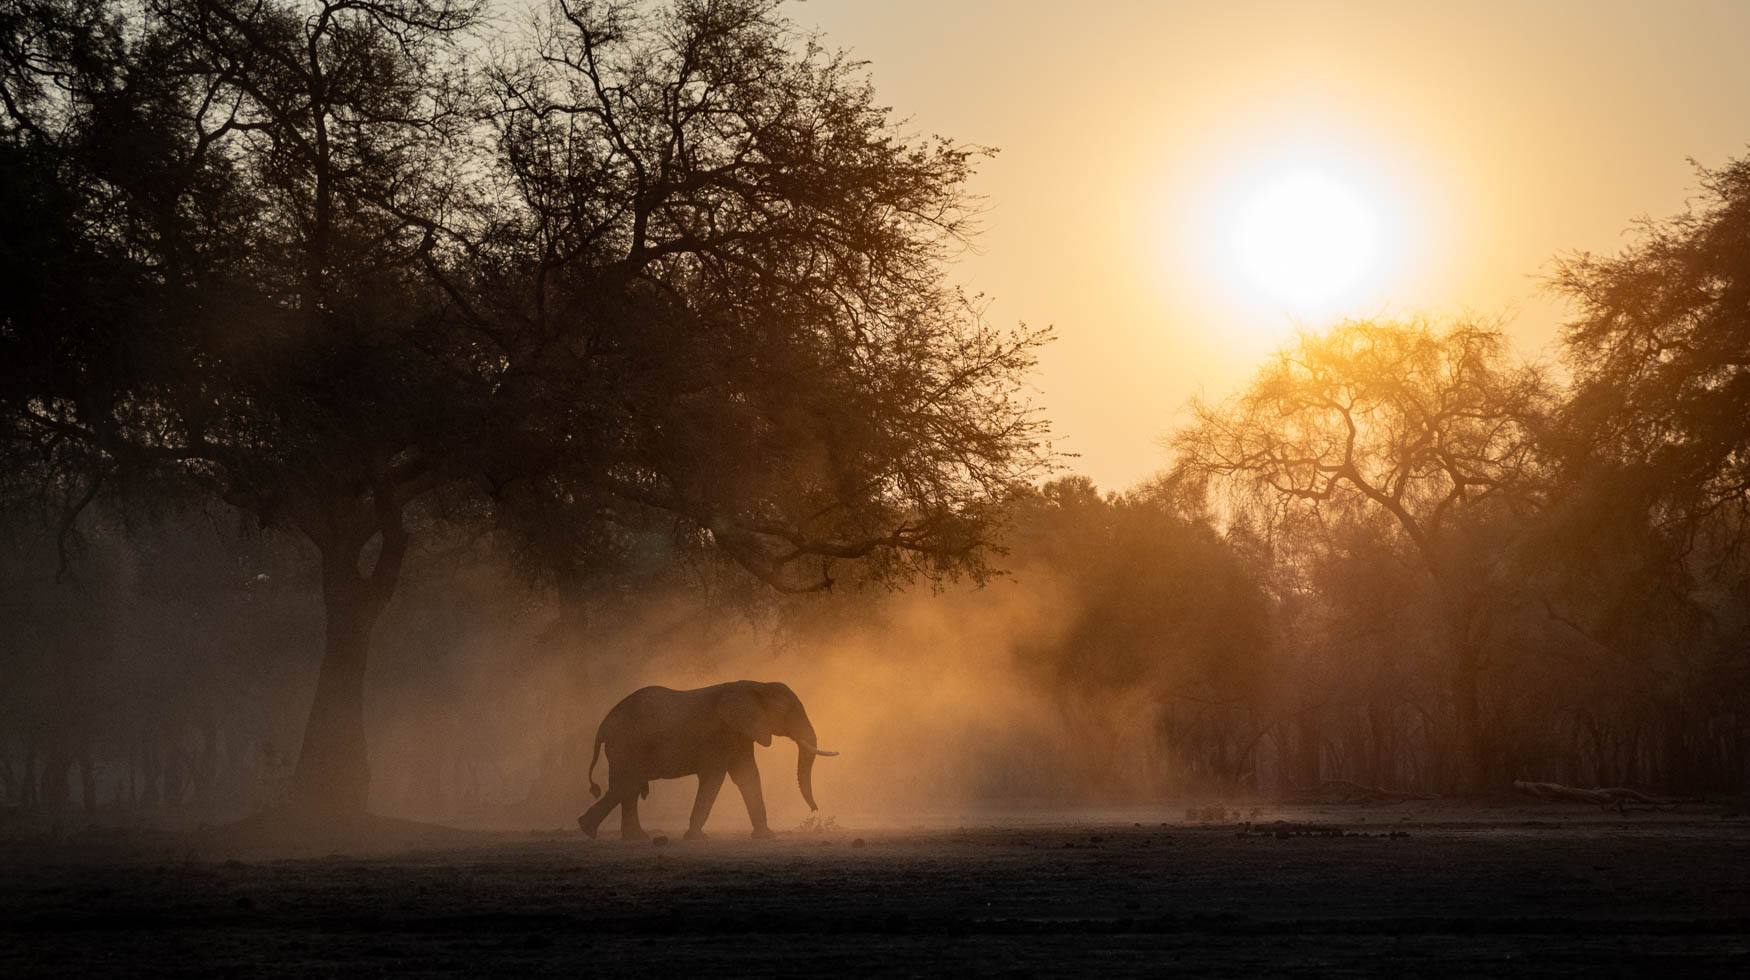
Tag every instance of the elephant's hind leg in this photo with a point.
(629, 828)
(709, 784)
(592, 819)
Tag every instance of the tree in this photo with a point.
(1660, 351)
(1655, 445)
(301, 265)
(248, 185)
(729, 268)
(1156, 641)
(1432, 427)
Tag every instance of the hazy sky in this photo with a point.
(1480, 138)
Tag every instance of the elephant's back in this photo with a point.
(643, 711)
(631, 703)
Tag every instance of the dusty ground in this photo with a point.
(1547, 890)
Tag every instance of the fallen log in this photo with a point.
(1616, 798)
(1373, 794)
(1343, 791)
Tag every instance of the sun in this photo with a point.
(1306, 239)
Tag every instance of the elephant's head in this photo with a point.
(760, 711)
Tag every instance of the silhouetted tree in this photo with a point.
(1430, 426)
(689, 287)
(727, 302)
(1645, 553)
(1159, 653)
(1660, 351)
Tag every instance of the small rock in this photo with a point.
(659, 840)
(858, 842)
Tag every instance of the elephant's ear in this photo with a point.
(743, 713)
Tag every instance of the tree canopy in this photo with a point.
(1423, 422)
(664, 272)
(1660, 351)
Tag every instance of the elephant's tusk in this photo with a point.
(813, 749)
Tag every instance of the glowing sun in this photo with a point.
(1306, 239)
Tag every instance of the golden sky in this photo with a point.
(1481, 138)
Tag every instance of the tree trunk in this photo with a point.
(154, 757)
(1379, 768)
(333, 775)
(1308, 748)
(1467, 625)
(570, 726)
(87, 778)
(1467, 712)
(32, 789)
(333, 772)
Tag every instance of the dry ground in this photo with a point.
(1543, 890)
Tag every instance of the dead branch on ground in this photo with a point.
(1617, 798)
(1343, 791)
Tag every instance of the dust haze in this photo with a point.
(921, 695)
(169, 679)
(1114, 662)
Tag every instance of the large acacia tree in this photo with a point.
(656, 273)
(1431, 427)
(726, 273)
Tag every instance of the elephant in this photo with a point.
(660, 733)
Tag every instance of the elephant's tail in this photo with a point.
(594, 790)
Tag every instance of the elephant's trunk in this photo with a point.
(805, 774)
(806, 750)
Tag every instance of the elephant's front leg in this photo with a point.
(747, 779)
(709, 783)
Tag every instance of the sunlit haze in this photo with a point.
(1475, 140)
